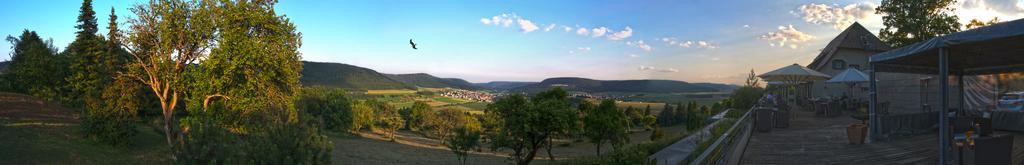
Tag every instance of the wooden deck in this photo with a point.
(822, 140)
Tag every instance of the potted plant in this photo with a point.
(857, 132)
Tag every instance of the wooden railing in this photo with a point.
(729, 147)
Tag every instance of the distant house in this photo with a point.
(850, 49)
(906, 93)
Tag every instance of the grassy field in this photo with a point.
(36, 132)
(390, 92)
(704, 98)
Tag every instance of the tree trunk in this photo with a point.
(599, 148)
(550, 155)
(529, 157)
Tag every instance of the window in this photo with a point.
(838, 64)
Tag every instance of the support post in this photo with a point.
(960, 83)
(873, 104)
(944, 137)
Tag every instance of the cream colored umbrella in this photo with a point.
(850, 77)
(793, 75)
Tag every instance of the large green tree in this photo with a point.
(35, 66)
(464, 140)
(415, 116)
(444, 121)
(911, 21)
(165, 39)
(556, 111)
(606, 124)
(251, 77)
(524, 126)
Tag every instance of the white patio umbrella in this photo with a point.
(850, 77)
(793, 75)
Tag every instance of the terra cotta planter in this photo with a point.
(856, 133)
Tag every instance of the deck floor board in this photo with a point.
(822, 140)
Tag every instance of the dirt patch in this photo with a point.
(20, 107)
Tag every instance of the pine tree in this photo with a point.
(87, 52)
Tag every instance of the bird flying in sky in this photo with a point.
(412, 43)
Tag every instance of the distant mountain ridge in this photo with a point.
(503, 85)
(430, 81)
(346, 76)
(353, 77)
(359, 78)
(591, 85)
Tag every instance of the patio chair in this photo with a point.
(820, 108)
(883, 108)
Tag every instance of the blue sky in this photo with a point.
(689, 40)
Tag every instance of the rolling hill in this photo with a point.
(347, 77)
(358, 78)
(429, 81)
(591, 85)
(503, 85)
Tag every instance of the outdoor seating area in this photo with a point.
(987, 50)
(819, 140)
(902, 130)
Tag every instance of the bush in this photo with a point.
(113, 122)
(330, 106)
(745, 97)
(208, 140)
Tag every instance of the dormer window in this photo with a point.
(838, 64)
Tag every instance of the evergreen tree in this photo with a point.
(87, 52)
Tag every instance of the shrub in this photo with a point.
(208, 140)
(114, 121)
(330, 106)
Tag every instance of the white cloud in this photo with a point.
(628, 32)
(598, 32)
(838, 16)
(639, 44)
(985, 10)
(705, 45)
(687, 44)
(633, 55)
(786, 35)
(551, 26)
(1003, 6)
(746, 26)
(651, 68)
(580, 50)
(668, 70)
(643, 68)
(526, 25)
(582, 31)
(507, 20)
